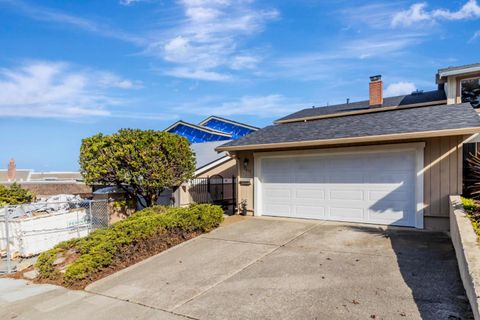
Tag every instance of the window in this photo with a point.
(470, 90)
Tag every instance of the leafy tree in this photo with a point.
(15, 194)
(140, 162)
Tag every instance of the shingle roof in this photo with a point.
(411, 120)
(414, 98)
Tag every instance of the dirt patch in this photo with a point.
(124, 258)
(18, 274)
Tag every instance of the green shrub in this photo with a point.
(14, 194)
(471, 208)
(99, 249)
(468, 204)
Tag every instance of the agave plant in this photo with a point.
(472, 176)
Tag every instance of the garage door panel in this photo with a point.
(308, 193)
(343, 177)
(346, 162)
(388, 217)
(313, 177)
(371, 187)
(280, 210)
(399, 178)
(346, 195)
(397, 195)
(345, 213)
(278, 193)
(278, 178)
(396, 160)
(311, 212)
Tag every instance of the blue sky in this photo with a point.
(70, 69)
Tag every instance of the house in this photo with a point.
(212, 168)
(44, 184)
(390, 161)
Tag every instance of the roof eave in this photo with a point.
(376, 138)
(456, 72)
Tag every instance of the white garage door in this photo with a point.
(375, 187)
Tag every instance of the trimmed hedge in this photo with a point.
(98, 250)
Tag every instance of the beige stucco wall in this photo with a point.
(227, 170)
(442, 177)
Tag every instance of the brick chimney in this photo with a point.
(12, 168)
(376, 91)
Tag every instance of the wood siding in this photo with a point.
(442, 174)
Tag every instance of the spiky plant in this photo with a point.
(472, 176)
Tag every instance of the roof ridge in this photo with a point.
(201, 123)
(196, 126)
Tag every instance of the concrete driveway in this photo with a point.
(264, 268)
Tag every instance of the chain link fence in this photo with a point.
(29, 229)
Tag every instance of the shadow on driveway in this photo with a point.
(428, 265)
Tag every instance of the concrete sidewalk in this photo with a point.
(263, 268)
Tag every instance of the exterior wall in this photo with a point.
(453, 87)
(42, 189)
(227, 170)
(442, 177)
(245, 169)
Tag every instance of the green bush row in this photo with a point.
(99, 248)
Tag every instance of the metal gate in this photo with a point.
(216, 190)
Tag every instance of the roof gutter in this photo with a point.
(376, 138)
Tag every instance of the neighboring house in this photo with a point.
(391, 161)
(205, 137)
(45, 183)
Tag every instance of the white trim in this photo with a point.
(457, 72)
(212, 165)
(194, 126)
(228, 121)
(415, 146)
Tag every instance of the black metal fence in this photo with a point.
(216, 190)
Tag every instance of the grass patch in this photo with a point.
(472, 209)
(78, 262)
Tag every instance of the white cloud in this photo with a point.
(49, 15)
(244, 62)
(259, 106)
(399, 88)
(128, 2)
(418, 13)
(197, 74)
(206, 42)
(57, 90)
(475, 36)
